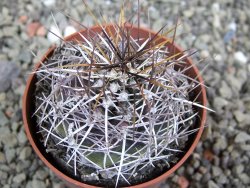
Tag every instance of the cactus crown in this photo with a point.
(113, 106)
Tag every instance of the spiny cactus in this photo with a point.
(112, 106)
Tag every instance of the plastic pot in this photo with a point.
(31, 127)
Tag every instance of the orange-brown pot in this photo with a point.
(31, 127)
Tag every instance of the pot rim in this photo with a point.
(152, 182)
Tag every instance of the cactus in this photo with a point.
(112, 106)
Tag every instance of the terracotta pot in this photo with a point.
(31, 127)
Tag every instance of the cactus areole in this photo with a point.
(114, 105)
